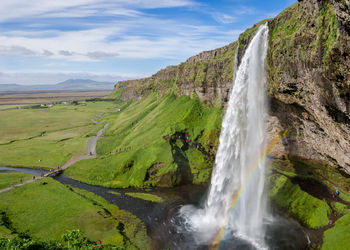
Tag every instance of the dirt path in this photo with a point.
(91, 153)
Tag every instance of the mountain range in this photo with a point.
(70, 84)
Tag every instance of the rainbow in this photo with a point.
(237, 194)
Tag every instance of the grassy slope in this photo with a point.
(134, 143)
(304, 207)
(309, 210)
(47, 211)
(64, 128)
(337, 237)
(6, 179)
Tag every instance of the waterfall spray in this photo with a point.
(235, 200)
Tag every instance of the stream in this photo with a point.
(166, 228)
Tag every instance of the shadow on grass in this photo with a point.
(180, 158)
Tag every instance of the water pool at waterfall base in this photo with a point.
(280, 234)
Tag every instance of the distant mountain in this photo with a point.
(85, 83)
(70, 84)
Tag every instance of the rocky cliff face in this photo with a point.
(309, 81)
(308, 68)
(207, 75)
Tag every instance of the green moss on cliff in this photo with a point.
(327, 30)
(307, 209)
(299, 39)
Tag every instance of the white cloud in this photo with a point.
(101, 54)
(79, 8)
(224, 18)
(114, 39)
(244, 10)
(15, 50)
(93, 32)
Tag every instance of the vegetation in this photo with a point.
(337, 237)
(25, 99)
(46, 209)
(8, 179)
(113, 192)
(318, 170)
(300, 38)
(288, 195)
(72, 239)
(339, 208)
(46, 138)
(145, 196)
(145, 144)
(309, 210)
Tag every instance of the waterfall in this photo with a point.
(235, 200)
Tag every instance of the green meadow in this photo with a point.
(48, 137)
(7, 179)
(46, 209)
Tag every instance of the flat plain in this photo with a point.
(47, 97)
(48, 137)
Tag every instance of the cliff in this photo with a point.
(309, 81)
(308, 69)
(207, 75)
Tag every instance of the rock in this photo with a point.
(309, 81)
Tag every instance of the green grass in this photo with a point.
(307, 209)
(145, 196)
(26, 123)
(137, 139)
(201, 166)
(6, 179)
(46, 138)
(5, 232)
(344, 196)
(340, 208)
(113, 192)
(337, 237)
(47, 211)
(318, 170)
(131, 228)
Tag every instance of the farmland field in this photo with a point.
(47, 137)
(49, 97)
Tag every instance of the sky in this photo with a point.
(48, 41)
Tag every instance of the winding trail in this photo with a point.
(91, 153)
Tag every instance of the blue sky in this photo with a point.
(47, 41)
